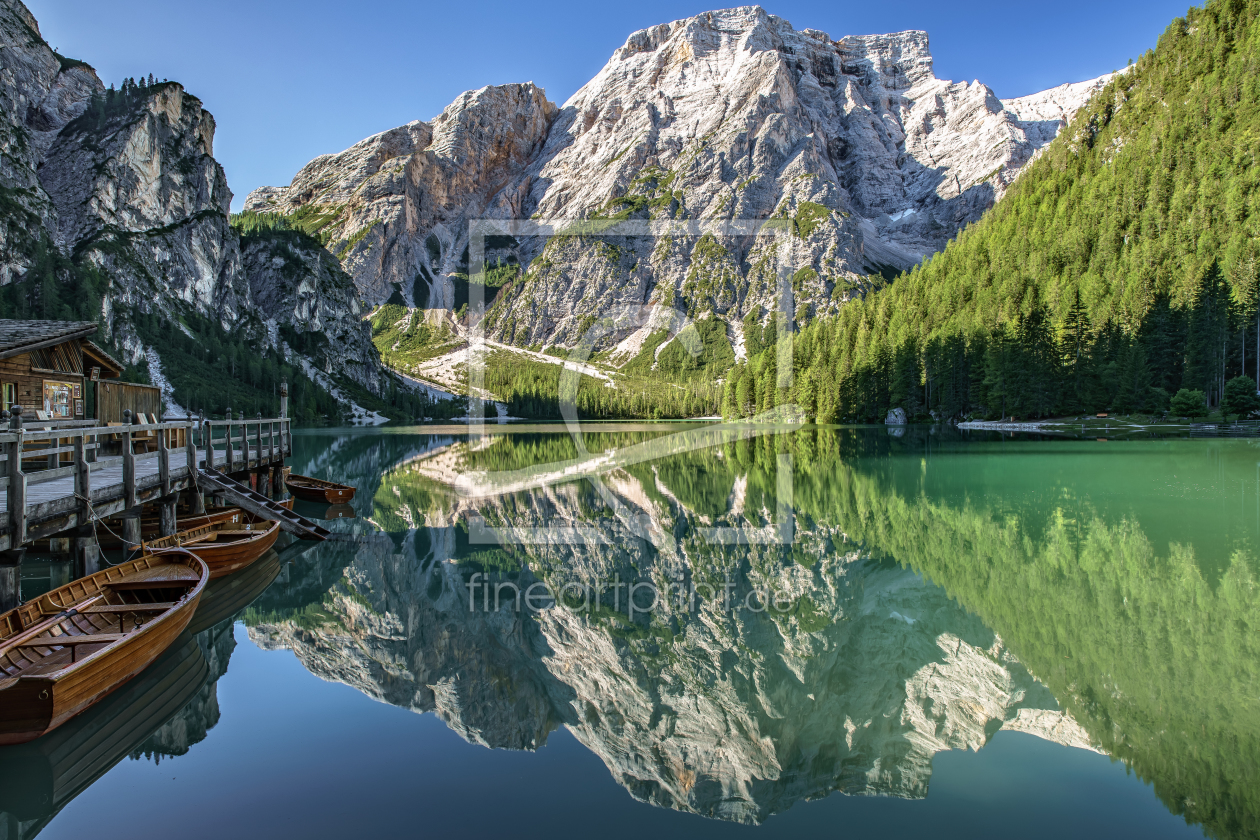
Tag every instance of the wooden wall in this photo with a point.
(28, 377)
(112, 397)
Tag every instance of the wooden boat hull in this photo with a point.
(150, 529)
(313, 490)
(227, 558)
(33, 705)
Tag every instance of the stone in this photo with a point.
(872, 162)
(141, 196)
(896, 417)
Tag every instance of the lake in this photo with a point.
(673, 630)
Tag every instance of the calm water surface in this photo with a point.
(835, 632)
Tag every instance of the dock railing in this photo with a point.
(51, 451)
(227, 443)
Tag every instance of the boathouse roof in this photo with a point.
(17, 337)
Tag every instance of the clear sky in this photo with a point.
(291, 79)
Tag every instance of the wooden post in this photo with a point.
(264, 481)
(227, 455)
(244, 443)
(258, 440)
(197, 503)
(129, 463)
(131, 531)
(82, 480)
(190, 448)
(164, 463)
(11, 578)
(284, 399)
(60, 572)
(17, 483)
(166, 508)
(207, 443)
(87, 553)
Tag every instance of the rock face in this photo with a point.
(296, 283)
(726, 711)
(397, 202)
(142, 194)
(128, 183)
(869, 160)
(39, 94)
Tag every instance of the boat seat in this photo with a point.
(171, 576)
(63, 641)
(125, 608)
(131, 585)
(73, 642)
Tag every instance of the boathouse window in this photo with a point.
(8, 394)
(58, 399)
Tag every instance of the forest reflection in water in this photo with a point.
(936, 590)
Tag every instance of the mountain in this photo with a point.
(1121, 272)
(851, 152)
(115, 209)
(732, 114)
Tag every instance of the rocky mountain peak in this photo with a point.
(730, 114)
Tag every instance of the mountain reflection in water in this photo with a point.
(929, 580)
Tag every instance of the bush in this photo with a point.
(1240, 397)
(1187, 403)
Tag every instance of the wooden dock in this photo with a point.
(56, 479)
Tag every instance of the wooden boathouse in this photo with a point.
(67, 472)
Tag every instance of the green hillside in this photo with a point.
(1120, 268)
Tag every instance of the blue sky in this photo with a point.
(289, 80)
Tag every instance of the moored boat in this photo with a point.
(72, 646)
(150, 527)
(224, 546)
(317, 490)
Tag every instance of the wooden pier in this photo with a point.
(60, 480)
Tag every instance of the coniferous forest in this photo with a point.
(1118, 273)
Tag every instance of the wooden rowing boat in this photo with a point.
(225, 546)
(317, 490)
(150, 527)
(70, 647)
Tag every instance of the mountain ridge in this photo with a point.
(896, 160)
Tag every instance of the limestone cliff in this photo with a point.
(126, 181)
(397, 203)
(40, 92)
(869, 160)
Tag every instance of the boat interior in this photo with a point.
(69, 624)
